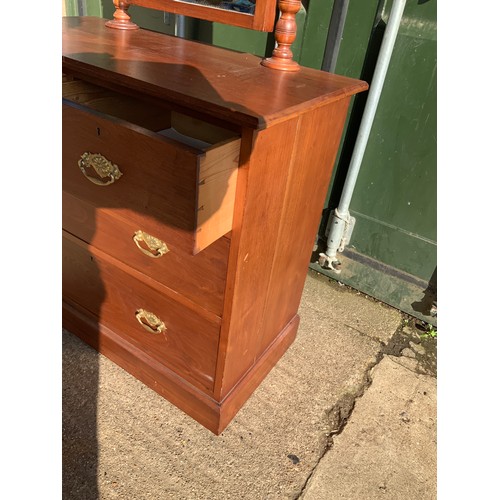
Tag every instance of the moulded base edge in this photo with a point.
(213, 415)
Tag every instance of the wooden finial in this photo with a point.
(121, 19)
(284, 33)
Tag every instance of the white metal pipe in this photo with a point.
(341, 216)
(180, 26)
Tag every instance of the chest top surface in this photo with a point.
(229, 85)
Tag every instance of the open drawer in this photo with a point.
(173, 173)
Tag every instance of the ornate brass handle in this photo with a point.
(150, 322)
(155, 247)
(98, 164)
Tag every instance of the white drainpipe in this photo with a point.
(180, 26)
(342, 223)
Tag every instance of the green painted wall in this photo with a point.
(244, 40)
(240, 39)
(88, 7)
(395, 197)
(151, 19)
(356, 61)
(315, 33)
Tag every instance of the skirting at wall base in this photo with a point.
(387, 284)
(212, 414)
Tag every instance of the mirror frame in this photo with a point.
(262, 20)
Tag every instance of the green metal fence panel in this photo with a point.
(315, 33)
(392, 252)
(232, 37)
(84, 7)
(395, 197)
(151, 19)
(71, 7)
(358, 32)
(244, 40)
(93, 8)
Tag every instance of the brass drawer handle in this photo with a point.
(155, 247)
(150, 322)
(100, 165)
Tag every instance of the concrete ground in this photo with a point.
(348, 413)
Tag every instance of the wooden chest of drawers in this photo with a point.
(193, 181)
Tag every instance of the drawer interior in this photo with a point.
(217, 148)
(177, 126)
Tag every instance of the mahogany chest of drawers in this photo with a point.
(193, 184)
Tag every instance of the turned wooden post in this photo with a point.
(121, 19)
(284, 33)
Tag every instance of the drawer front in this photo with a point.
(185, 341)
(156, 180)
(200, 278)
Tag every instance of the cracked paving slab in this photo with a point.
(122, 440)
(388, 448)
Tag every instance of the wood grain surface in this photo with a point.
(164, 183)
(268, 260)
(142, 366)
(308, 177)
(259, 203)
(200, 278)
(159, 178)
(228, 85)
(110, 291)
